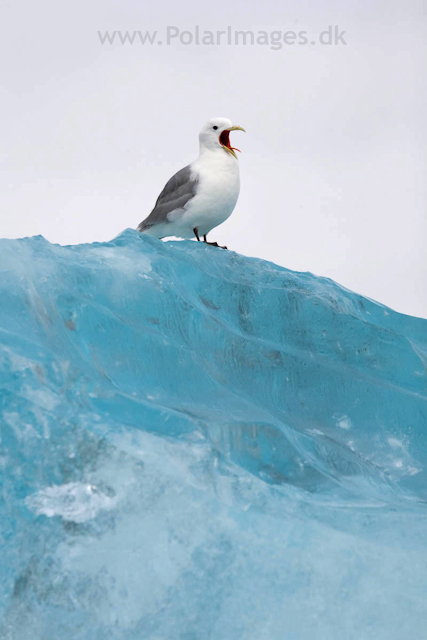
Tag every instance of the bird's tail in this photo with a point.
(150, 229)
(143, 226)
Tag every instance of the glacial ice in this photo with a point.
(197, 445)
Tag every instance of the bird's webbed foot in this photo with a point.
(213, 244)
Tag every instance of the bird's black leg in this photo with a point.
(213, 244)
(196, 233)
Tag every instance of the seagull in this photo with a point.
(203, 194)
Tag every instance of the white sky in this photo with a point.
(334, 161)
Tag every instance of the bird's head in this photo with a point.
(216, 135)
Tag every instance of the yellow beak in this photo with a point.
(230, 150)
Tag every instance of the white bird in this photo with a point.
(202, 195)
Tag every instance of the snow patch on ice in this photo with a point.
(344, 422)
(74, 501)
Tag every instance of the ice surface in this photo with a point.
(199, 445)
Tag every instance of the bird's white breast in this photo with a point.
(217, 193)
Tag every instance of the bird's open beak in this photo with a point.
(224, 140)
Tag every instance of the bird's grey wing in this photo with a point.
(177, 192)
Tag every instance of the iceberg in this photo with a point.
(196, 444)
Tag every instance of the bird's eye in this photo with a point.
(215, 127)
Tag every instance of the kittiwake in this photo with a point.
(203, 194)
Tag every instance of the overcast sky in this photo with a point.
(333, 168)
